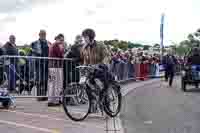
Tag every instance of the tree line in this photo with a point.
(185, 46)
(125, 45)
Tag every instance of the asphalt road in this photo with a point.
(35, 117)
(157, 108)
(148, 107)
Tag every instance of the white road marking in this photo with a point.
(148, 122)
(55, 119)
(114, 124)
(26, 126)
(131, 87)
(122, 129)
(99, 115)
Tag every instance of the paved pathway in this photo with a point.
(35, 117)
(157, 108)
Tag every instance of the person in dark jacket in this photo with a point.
(194, 59)
(1, 51)
(10, 49)
(40, 48)
(1, 65)
(71, 74)
(169, 62)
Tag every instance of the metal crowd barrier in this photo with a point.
(36, 77)
(39, 77)
(126, 71)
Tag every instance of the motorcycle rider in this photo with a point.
(93, 53)
(194, 59)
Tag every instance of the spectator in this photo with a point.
(1, 64)
(131, 70)
(55, 84)
(40, 49)
(71, 74)
(65, 47)
(157, 68)
(10, 49)
(108, 58)
(169, 62)
(114, 68)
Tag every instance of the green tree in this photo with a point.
(146, 47)
(193, 40)
(114, 49)
(130, 45)
(182, 50)
(156, 45)
(123, 45)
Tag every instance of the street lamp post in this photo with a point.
(162, 35)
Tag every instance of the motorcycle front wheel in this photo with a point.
(76, 103)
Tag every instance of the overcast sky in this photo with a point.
(134, 20)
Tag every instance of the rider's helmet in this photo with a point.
(195, 51)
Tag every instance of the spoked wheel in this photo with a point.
(81, 95)
(6, 104)
(76, 102)
(112, 100)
